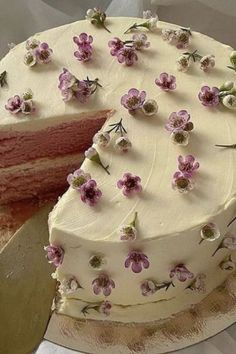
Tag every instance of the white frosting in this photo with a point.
(168, 223)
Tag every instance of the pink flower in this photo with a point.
(83, 91)
(85, 49)
(105, 307)
(133, 100)
(127, 55)
(83, 41)
(43, 53)
(55, 254)
(67, 84)
(148, 287)
(140, 41)
(14, 104)
(83, 55)
(166, 82)
(181, 183)
(178, 121)
(115, 44)
(103, 284)
(209, 96)
(187, 165)
(129, 184)
(89, 193)
(28, 107)
(137, 260)
(181, 273)
(78, 178)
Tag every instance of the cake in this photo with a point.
(146, 228)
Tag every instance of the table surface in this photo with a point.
(217, 20)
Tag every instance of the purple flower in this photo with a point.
(166, 82)
(148, 287)
(187, 165)
(137, 260)
(89, 193)
(83, 41)
(103, 284)
(115, 44)
(178, 121)
(83, 55)
(133, 100)
(28, 107)
(43, 53)
(83, 91)
(181, 273)
(127, 55)
(129, 184)
(85, 49)
(67, 84)
(55, 254)
(105, 307)
(181, 183)
(209, 96)
(78, 178)
(140, 41)
(14, 104)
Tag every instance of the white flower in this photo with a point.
(140, 41)
(89, 14)
(227, 86)
(128, 233)
(91, 153)
(102, 139)
(229, 242)
(30, 59)
(97, 261)
(147, 14)
(207, 62)
(123, 143)
(27, 95)
(32, 43)
(68, 286)
(229, 101)
(199, 283)
(227, 264)
(180, 137)
(150, 107)
(210, 232)
(183, 63)
(152, 23)
(166, 34)
(233, 58)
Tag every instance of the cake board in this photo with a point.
(212, 315)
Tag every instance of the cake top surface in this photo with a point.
(161, 210)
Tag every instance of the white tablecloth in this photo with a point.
(20, 19)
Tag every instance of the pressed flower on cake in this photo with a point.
(55, 254)
(103, 284)
(130, 184)
(166, 82)
(133, 100)
(137, 260)
(181, 273)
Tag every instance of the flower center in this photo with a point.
(133, 101)
(182, 183)
(179, 138)
(90, 193)
(130, 184)
(44, 55)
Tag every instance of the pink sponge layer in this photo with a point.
(26, 183)
(17, 147)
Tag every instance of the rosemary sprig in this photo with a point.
(193, 55)
(117, 127)
(3, 78)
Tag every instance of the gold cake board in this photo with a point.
(25, 302)
(212, 315)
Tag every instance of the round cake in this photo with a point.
(145, 229)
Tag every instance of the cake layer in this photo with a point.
(35, 178)
(17, 147)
